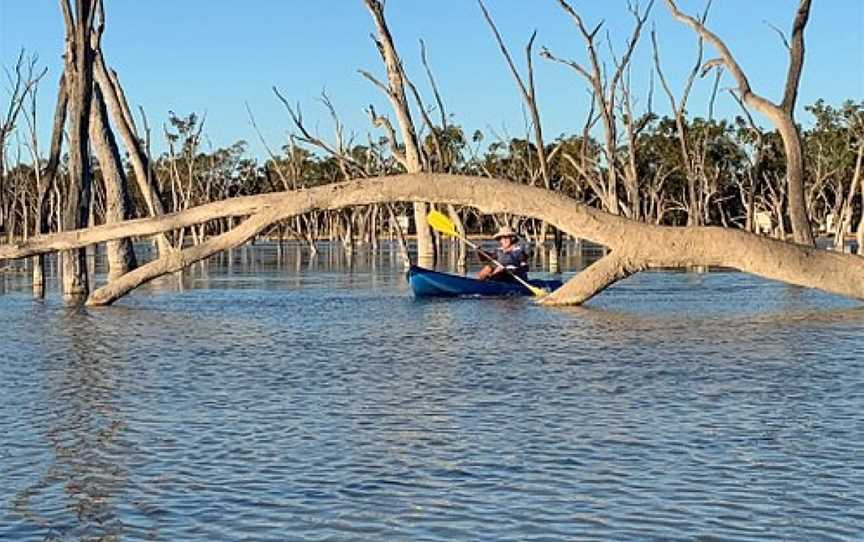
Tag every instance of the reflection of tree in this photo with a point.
(84, 431)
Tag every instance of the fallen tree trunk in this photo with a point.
(177, 260)
(635, 246)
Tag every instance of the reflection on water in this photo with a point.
(272, 396)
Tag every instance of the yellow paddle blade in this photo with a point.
(440, 222)
(538, 292)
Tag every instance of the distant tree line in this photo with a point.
(738, 168)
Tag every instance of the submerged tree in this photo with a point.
(659, 173)
(408, 152)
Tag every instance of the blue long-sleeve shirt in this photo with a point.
(514, 260)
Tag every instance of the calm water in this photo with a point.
(299, 400)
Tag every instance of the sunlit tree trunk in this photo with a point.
(145, 177)
(121, 257)
(79, 74)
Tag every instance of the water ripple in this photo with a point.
(327, 404)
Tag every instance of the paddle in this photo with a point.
(443, 224)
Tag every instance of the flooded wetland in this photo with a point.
(238, 349)
(283, 398)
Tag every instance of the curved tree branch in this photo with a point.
(598, 276)
(645, 246)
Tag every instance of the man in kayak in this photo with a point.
(511, 255)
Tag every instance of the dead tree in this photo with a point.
(409, 154)
(22, 101)
(679, 110)
(528, 92)
(755, 163)
(844, 223)
(633, 126)
(79, 76)
(605, 91)
(47, 180)
(121, 256)
(22, 87)
(30, 117)
(781, 115)
(118, 108)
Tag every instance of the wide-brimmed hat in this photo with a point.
(504, 231)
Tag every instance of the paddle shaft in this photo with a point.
(499, 264)
(441, 223)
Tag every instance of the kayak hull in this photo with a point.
(428, 283)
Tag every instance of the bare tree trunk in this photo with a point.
(47, 180)
(145, 177)
(121, 257)
(679, 108)
(797, 204)
(395, 91)
(79, 72)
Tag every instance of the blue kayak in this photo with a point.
(428, 283)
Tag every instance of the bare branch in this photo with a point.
(396, 87)
(428, 122)
(547, 54)
(267, 148)
(500, 41)
(434, 86)
(66, 8)
(375, 81)
(307, 137)
(714, 90)
(779, 33)
(796, 57)
(726, 56)
(380, 121)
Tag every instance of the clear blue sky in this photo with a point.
(213, 55)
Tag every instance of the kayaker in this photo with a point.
(511, 256)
